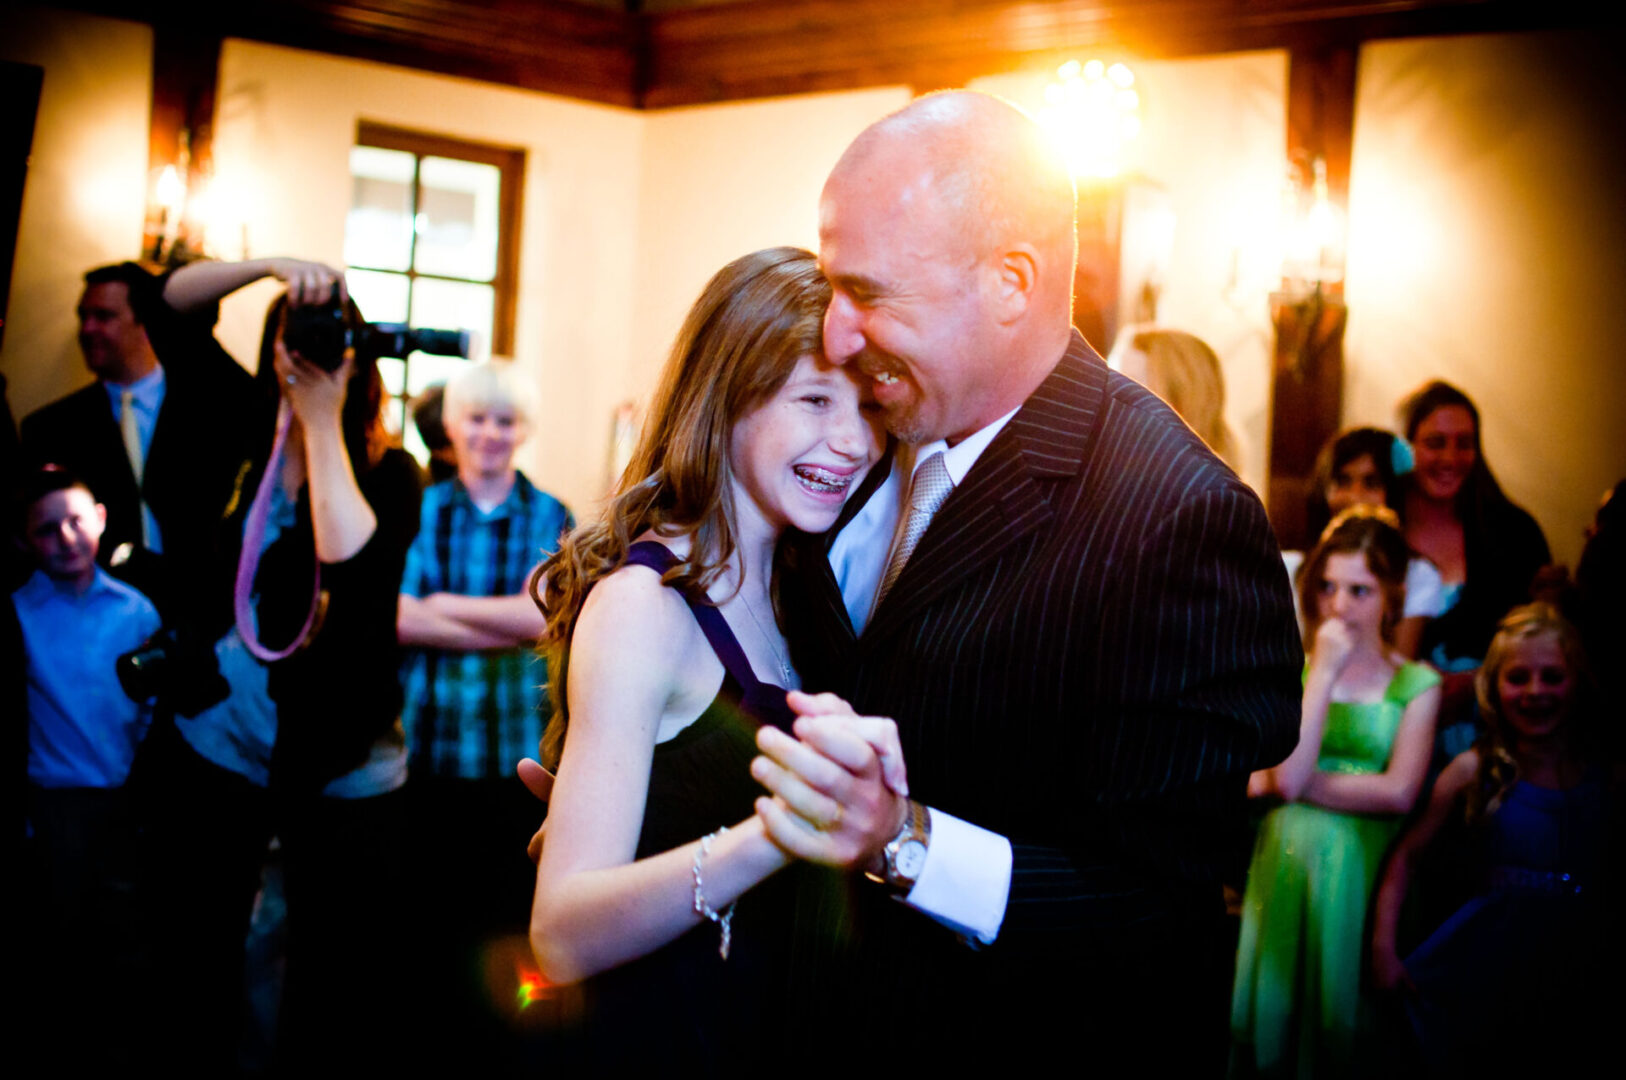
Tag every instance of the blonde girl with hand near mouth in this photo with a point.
(1364, 745)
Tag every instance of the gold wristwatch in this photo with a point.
(904, 856)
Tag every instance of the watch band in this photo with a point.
(905, 854)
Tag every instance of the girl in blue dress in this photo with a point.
(1529, 810)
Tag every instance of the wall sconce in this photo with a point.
(1314, 256)
(1092, 111)
(169, 199)
(1309, 317)
(173, 233)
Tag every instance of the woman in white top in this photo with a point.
(1363, 467)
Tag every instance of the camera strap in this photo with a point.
(248, 562)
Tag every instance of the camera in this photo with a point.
(175, 668)
(321, 333)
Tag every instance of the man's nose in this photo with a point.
(843, 336)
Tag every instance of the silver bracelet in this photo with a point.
(703, 909)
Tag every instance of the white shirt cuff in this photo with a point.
(966, 880)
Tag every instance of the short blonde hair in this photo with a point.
(490, 384)
(1183, 371)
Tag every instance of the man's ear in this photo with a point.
(101, 517)
(1016, 281)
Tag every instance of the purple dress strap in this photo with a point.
(765, 700)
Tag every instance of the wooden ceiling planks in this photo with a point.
(553, 46)
(657, 55)
(774, 47)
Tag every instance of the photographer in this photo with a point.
(307, 745)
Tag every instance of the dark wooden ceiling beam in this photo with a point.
(551, 46)
(779, 47)
(647, 58)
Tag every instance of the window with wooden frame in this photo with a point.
(432, 240)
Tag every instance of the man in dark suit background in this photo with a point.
(159, 436)
(1089, 647)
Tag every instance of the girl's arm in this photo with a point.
(1330, 653)
(207, 280)
(595, 907)
(1395, 789)
(1387, 971)
(340, 514)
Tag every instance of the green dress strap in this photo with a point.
(1410, 679)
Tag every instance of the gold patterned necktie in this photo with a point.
(931, 486)
(131, 431)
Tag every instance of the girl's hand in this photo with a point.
(1334, 645)
(308, 282)
(317, 396)
(539, 781)
(880, 732)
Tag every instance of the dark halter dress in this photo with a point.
(683, 1002)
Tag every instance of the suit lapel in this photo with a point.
(104, 442)
(1005, 496)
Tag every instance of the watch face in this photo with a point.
(911, 859)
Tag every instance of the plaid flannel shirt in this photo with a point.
(473, 715)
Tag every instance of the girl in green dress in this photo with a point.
(1364, 745)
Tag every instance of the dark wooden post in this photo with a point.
(185, 71)
(1307, 382)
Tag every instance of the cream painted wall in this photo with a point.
(286, 122)
(1213, 137)
(720, 181)
(1484, 230)
(86, 182)
(1485, 248)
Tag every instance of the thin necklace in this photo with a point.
(784, 665)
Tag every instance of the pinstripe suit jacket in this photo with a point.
(1089, 650)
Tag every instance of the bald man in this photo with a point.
(1086, 648)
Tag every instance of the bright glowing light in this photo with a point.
(1315, 240)
(171, 192)
(1090, 113)
(532, 988)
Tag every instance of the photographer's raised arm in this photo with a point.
(198, 284)
(341, 517)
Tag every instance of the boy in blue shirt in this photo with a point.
(75, 622)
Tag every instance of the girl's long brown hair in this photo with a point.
(755, 319)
